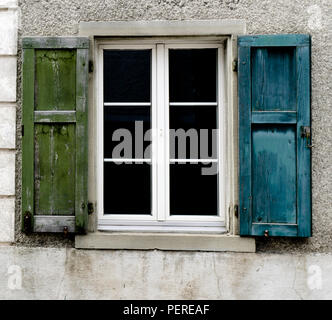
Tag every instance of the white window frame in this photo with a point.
(160, 220)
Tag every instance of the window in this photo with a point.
(160, 135)
(156, 87)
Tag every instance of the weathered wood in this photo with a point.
(275, 40)
(304, 153)
(275, 230)
(274, 174)
(55, 139)
(55, 116)
(81, 205)
(55, 42)
(54, 224)
(275, 169)
(273, 117)
(28, 137)
(274, 73)
(55, 174)
(55, 85)
(244, 78)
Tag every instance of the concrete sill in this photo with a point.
(165, 241)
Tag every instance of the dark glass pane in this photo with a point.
(188, 117)
(127, 188)
(192, 75)
(127, 119)
(191, 192)
(127, 75)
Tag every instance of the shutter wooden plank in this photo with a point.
(274, 89)
(55, 79)
(27, 139)
(55, 116)
(274, 105)
(244, 139)
(55, 169)
(81, 140)
(304, 153)
(275, 40)
(274, 174)
(273, 117)
(55, 42)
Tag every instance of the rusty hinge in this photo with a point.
(91, 209)
(90, 66)
(27, 222)
(236, 210)
(234, 65)
(306, 133)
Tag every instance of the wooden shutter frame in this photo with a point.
(303, 78)
(77, 223)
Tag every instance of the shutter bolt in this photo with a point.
(266, 233)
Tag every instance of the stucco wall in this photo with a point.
(61, 17)
(58, 273)
(8, 67)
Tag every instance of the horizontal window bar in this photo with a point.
(193, 104)
(126, 160)
(127, 104)
(193, 160)
(273, 117)
(54, 116)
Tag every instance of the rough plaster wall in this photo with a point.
(61, 17)
(57, 273)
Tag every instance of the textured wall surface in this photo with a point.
(61, 17)
(8, 68)
(59, 273)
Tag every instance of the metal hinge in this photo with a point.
(91, 208)
(236, 210)
(234, 65)
(90, 66)
(22, 130)
(306, 133)
(27, 222)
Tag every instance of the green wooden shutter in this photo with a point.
(54, 134)
(274, 135)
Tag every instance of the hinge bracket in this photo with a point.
(27, 222)
(90, 66)
(22, 130)
(234, 65)
(91, 208)
(236, 210)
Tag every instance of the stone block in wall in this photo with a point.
(8, 79)
(8, 32)
(7, 127)
(8, 3)
(7, 173)
(7, 217)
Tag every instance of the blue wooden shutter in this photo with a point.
(274, 135)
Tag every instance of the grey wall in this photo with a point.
(61, 17)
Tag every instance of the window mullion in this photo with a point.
(161, 130)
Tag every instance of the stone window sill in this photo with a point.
(165, 241)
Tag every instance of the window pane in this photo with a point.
(125, 119)
(192, 75)
(127, 188)
(191, 192)
(193, 144)
(127, 75)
